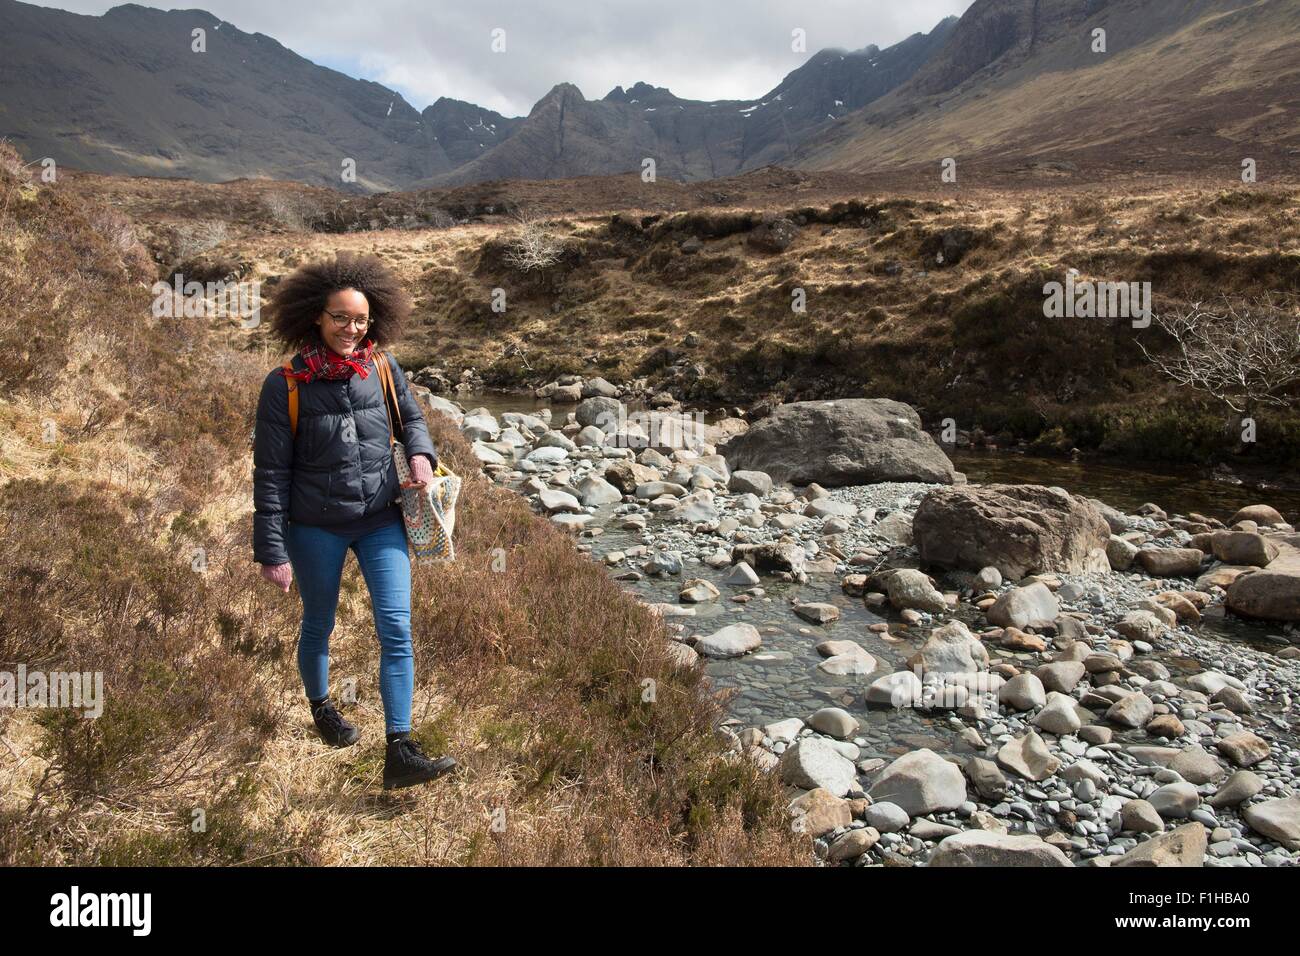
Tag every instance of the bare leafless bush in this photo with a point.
(292, 211)
(438, 218)
(121, 235)
(1244, 353)
(196, 238)
(536, 245)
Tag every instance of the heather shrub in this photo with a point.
(532, 666)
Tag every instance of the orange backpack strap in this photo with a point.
(293, 397)
(390, 391)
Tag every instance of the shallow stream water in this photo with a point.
(782, 680)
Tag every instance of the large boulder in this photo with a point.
(1018, 529)
(751, 482)
(599, 387)
(1272, 593)
(696, 507)
(853, 441)
(899, 689)
(813, 762)
(920, 782)
(597, 491)
(982, 848)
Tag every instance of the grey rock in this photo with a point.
(1019, 529)
(844, 442)
(1060, 715)
(1023, 692)
(984, 848)
(812, 763)
(1197, 765)
(987, 778)
(1131, 711)
(1277, 819)
(1031, 606)
(1061, 676)
(1184, 846)
(1141, 817)
(1029, 757)
(951, 649)
(1175, 800)
(741, 575)
(751, 482)
(886, 817)
(734, 640)
(817, 613)
(909, 588)
(834, 721)
(1244, 749)
(920, 782)
(899, 689)
(1237, 789)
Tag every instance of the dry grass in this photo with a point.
(531, 676)
(965, 340)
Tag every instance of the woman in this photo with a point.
(331, 485)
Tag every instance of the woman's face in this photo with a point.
(345, 304)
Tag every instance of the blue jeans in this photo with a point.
(317, 557)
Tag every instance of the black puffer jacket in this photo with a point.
(339, 467)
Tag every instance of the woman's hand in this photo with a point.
(421, 472)
(278, 574)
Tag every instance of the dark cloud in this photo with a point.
(702, 50)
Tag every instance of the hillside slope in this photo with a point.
(125, 542)
(1182, 86)
(125, 93)
(687, 288)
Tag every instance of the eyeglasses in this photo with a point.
(343, 320)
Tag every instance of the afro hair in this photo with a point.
(300, 298)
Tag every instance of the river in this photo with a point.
(1124, 485)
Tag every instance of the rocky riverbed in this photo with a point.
(944, 673)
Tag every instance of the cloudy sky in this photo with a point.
(701, 49)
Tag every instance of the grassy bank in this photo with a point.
(678, 288)
(125, 538)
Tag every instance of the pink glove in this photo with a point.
(421, 472)
(278, 574)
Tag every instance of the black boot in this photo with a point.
(405, 765)
(331, 726)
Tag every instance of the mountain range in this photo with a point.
(1191, 81)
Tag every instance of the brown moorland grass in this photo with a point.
(964, 339)
(125, 536)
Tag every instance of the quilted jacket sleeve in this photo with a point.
(415, 433)
(272, 471)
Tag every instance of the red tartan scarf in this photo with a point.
(324, 363)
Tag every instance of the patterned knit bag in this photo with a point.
(429, 513)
